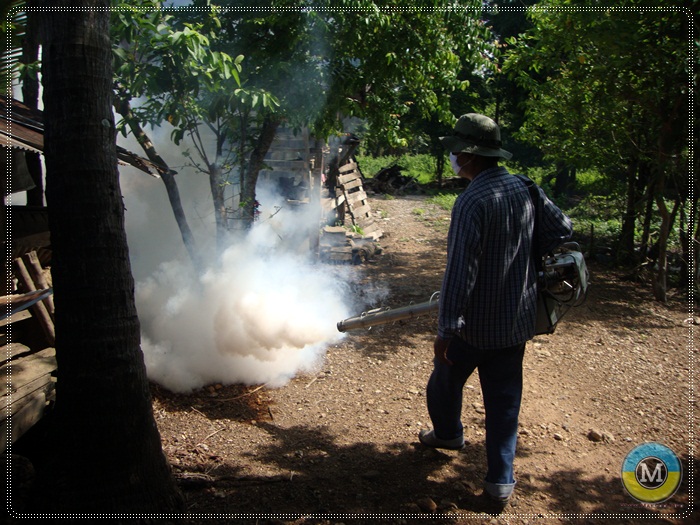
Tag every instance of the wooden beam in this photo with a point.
(358, 196)
(11, 350)
(38, 309)
(26, 385)
(351, 185)
(22, 420)
(31, 261)
(15, 318)
(344, 179)
(362, 211)
(350, 166)
(19, 372)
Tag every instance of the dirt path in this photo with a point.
(342, 444)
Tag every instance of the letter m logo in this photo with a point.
(651, 477)
(651, 472)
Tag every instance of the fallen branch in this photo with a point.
(214, 433)
(196, 479)
(243, 395)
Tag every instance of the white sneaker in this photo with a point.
(428, 438)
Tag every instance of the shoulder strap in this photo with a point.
(535, 198)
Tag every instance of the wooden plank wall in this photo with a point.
(289, 159)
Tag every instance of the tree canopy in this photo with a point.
(239, 71)
(609, 88)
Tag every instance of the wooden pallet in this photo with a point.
(334, 245)
(337, 245)
(354, 197)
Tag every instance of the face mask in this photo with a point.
(453, 162)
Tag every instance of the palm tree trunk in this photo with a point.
(106, 452)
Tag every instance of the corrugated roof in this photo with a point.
(23, 128)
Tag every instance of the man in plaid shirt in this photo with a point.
(488, 297)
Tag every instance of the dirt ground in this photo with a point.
(340, 445)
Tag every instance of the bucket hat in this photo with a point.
(476, 134)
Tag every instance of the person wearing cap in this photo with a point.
(488, 297)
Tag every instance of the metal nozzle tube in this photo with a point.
(384, 316)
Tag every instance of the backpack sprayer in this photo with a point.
(562, 284)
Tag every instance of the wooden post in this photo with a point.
(315, 193)
(38, 309)
(31, 261)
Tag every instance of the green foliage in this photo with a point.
(604, 86)
(421, 167)
(385, 64)
(370, 166)
(593, 182)
(599, 214)
(183, 79)
(395, 65)
(355, 228)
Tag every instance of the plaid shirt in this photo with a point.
(489, 289)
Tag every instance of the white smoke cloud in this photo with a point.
(263, 313)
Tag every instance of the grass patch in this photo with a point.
(444, 200)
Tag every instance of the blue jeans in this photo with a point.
(501, 377)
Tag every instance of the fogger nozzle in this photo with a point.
(381, 316)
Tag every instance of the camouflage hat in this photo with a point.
(476, 134)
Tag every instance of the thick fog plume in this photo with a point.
(262, 314)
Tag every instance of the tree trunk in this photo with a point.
(565, 180)
(106, 452)
(439, 167)
(660, 282)
(646, 225)
(626, 239)
(123, 107)
(250, 178)
(685, 230)
(216, 186)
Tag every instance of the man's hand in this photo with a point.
(440, 348)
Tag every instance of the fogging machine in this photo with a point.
(562, 284)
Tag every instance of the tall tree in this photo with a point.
(186, 80)
(106, 455)
(609, 89)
